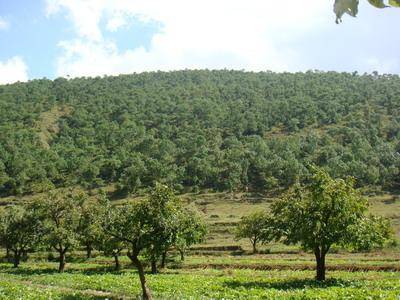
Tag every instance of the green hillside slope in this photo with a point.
(219, 130)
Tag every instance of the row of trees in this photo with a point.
(322, 213)
(318, 215)
(64, 220)
(222, 130)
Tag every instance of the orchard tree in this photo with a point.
(109, 244)
(20, 231)
(147, 226)
(256, 227)
(132, 227)
(192, 230)
(4, 242)
(165, 211)
(90, 229)
(61, 211)
(319, 215)
(372, 232)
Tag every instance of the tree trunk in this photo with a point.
(320, 257)
(117, 264)
(163, 259)
(24, 255)
(61, 266)
(8, 256)
(153, 265)
(139, 266)
(17, 258)
(182, 254)
(88, 251)
(254, 243)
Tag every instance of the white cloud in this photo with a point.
(84, 14)
(4, 25)
(242, 34)
(116, 22)
(13, 70)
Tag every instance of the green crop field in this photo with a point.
(96, 281)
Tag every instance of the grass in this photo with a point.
(262, 276)
(40, 281)
(221, 212)
(47, 125)
(388, 206)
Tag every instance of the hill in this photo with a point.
(218, 130)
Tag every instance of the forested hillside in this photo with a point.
(221, 130)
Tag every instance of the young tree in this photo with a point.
(109, 244)
(89, 229)
(149, 225)
(61, 211)
(256, 227)
(319, 215)
(192, 230)
(20, 231)
(371, 232)
(165, 210)
(4, 242)
(134, 228)
(112, 246)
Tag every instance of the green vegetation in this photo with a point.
(255, 227)
(322, 214)
(60, 212)
(220, 130)
(350, 7)
(237, 147)
(63, 220)
(191, 230)
(325, 213)
(87, 282)
(20, 231)
(90, 231)
(152, 226)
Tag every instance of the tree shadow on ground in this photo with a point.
(26, 271)
(290, 284)
(89, 271)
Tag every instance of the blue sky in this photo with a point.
(96, 37)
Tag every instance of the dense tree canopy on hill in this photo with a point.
(225, 130)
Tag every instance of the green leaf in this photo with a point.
(394, 3)
(341, 7)
(377, 3)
